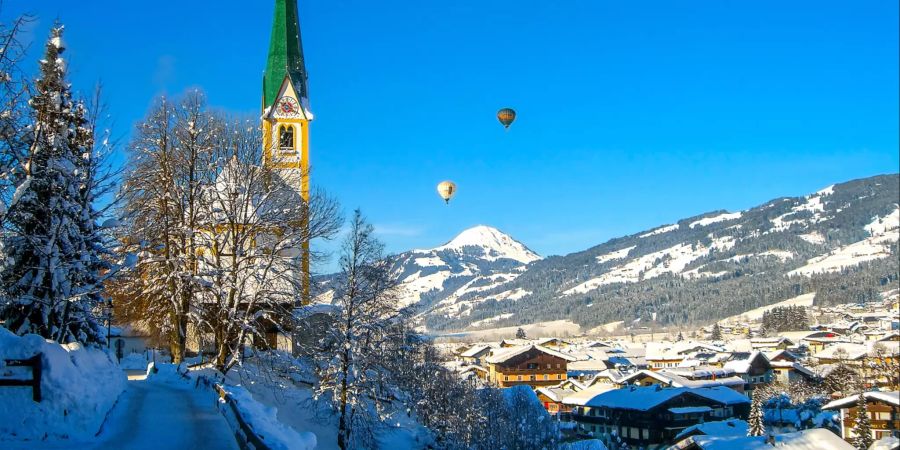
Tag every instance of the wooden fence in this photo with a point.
(35, 382)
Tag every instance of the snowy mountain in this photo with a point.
(840, 242)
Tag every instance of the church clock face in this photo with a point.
(287, 106)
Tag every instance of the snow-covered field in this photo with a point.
(534, 330)
(755, 314)
(79, 386)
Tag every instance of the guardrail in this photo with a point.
(246, 438)
(35, 382)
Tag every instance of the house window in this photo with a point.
(532, 366)
(546, 377)
(286, 137)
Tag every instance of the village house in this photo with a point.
(653, 415)
(686, 377)
(754, 368)
(787, 367)
(771, 344)
(883, 408)
(475, 354)
(533, 365)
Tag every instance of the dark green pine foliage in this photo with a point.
(784, 318)
(49, 276)
(862, 427)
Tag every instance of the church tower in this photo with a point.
(285, 112)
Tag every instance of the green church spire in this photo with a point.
(285, 53)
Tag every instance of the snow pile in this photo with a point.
(79, 386)
(587, 444)
(134, 361)
(264, 421)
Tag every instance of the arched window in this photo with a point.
(286, 137)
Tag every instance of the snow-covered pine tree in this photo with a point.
(520, 334)
(680, 337)
(48, 288)
(716, 333)
(755, 423)
(862, 426)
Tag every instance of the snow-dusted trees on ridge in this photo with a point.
(54, 264)
(218, 235)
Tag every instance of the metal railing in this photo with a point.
(246, 437)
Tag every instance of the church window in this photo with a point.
(286, 137)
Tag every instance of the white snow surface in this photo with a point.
(673, 260)
(618, 254)
(495, 243)
(884, 231)
(79, 386)
(720, 218)
(660, 230)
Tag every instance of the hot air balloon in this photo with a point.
(446, 189)
(506, 116)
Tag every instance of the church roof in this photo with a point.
(285, 54)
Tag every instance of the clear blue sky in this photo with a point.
(631, 114)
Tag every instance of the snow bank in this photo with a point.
(587, 444)
(264, 421)
(79, 386)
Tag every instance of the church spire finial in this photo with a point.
(285, 54)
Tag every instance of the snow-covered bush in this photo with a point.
(79, 386)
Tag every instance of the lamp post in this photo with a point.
(107, 310)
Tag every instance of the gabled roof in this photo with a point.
(507, 354)
(889, 397)
(475, 351)
(648, 397)
(812, 439)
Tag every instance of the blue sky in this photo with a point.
(631, 114)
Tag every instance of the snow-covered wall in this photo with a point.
(79, 386)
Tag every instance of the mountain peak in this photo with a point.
(491, 239)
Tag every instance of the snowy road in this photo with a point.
(159, 414)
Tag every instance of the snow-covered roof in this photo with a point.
(812, 439)
(853, 351)
(743, 365)
(509, 353)
(474, 351)
(732, 427)
(889, 397)
(647, 397)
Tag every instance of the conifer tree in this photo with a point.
(680, 337)
(50, 274)
(862, 427)
(756, 425)
(520, 334)
(716, 333)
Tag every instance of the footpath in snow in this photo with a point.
(160, 412)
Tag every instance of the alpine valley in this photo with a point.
(840, 243)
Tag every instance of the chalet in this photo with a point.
(476, 354)
(771, 344)
(687, 377)
(552, 398)
(586, 369)
(554, 343)
(883, 408)
(533, 365)
(653, 415)
(754, 368)
(506, 343)
(474, 372)
(787, 367)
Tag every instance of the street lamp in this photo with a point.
(107, 311)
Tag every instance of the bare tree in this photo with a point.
(170, 161)
(14, 110)
(255, 224)
(367, 320)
